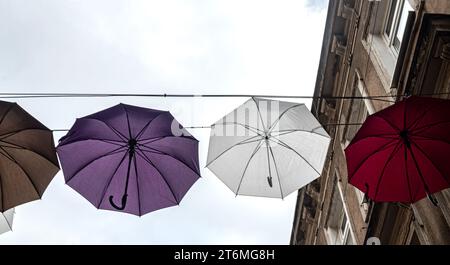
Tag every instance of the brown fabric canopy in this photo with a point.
(28, 159)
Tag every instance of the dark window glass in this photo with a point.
(390, 18)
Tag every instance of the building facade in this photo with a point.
(373, 48)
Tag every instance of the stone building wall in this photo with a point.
(360, 59)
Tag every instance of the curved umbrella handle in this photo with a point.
(124, 202)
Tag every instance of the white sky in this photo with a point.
(228, 47)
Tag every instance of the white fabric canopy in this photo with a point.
(267, 148)
(6, 221)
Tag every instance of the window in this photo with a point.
(338, 227)
(357, 114)
(358, 111)
(395, 23)
(388, 27)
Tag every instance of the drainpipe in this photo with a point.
(356, 15)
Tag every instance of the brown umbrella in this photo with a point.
(28, 159)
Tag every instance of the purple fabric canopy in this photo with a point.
(130, 159)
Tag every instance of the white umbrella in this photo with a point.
(6, 221)
(267, 148)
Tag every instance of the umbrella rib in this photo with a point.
(284, 132)
(268, 160)
(110, 180)
(276, 169)
(426, 138)
(7, 112)
(394, 152)
(137, 185)
(16, 146)
(147, 125)
(420, 129)
(251, 141)
(159, 152)
(128, 121)
(113, 142)
(6, 154)
(229, 148)
(293, 150)
(119, 134)
(150, 150)
(246, 166)
(146, 159)
(411, 127)
(113, 152)
(382, 148)
(419, 171)
(388, 122)
(10, 157)
(9, 134)
(259, 113)
(381, 136)
(238, 123)
(282, 114)
(248, 127)
(431, 161)
(407, 174)
(155, 139)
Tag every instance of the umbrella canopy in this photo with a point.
(400, 154)
(130, 159)
(28, 160)
(6, 221)
(267, 148)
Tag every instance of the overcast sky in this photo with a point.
(224, 47)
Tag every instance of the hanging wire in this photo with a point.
(82, 95)
(209, 127)
(383, 98)
(94, 95)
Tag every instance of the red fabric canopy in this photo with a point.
(402, 153)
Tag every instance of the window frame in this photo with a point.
(341, 231)
(384, 56)
(358, 86)
(348, 230)
(390, 38)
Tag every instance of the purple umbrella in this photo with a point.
(137, 156)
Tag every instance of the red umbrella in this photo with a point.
(401, 154)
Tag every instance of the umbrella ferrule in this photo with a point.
(405, 137)
(132, 145)
(132, 142)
